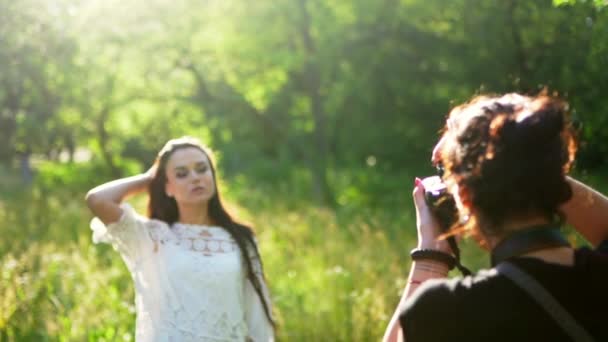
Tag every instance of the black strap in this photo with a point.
(456, 250)
(545, 300)
(528, 240)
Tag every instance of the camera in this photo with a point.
(440, 201)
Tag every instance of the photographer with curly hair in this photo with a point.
(506, 160)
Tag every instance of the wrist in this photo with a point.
(435, 244)
(432, 266)
(423, 270)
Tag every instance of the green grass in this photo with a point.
(335, 275)
(340, 275)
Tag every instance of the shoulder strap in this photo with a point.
(546, 300)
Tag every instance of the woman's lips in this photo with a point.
(198, 190)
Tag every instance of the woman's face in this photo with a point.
(189, 176)
(436, 156)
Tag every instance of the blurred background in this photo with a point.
(321, 113)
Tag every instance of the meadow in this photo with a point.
(335, 274)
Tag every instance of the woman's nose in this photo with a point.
(195, 176)
(436, 157)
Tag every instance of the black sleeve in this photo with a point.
(432, 313)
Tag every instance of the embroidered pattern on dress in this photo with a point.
(182, 326)
(192, 237)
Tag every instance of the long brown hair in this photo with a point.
(164, 208)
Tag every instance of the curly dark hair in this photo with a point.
(510, 154)
(164, 208)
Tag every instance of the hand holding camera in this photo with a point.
(436, 212)
(440, 201)
(428, 223)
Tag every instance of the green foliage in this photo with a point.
(308, 83)
(77, 177)
(597, 3)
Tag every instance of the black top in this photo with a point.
(490, 307)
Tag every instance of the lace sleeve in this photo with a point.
(260, 329)
(128, 235)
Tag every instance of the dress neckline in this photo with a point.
(194, 226)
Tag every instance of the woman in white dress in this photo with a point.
(197, 273)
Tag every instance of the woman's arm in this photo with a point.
(420, 271)
(428, 231)
(259, 327)
(104, 200)
(587, 212)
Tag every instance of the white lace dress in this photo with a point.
(190, 281)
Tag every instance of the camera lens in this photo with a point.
(440, 201)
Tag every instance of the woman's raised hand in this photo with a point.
(428, 227)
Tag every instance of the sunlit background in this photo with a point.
(321, 113)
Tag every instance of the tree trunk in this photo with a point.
(70, 144)
(27, 175)
(8, 121)
(312, 78)
(103, 138)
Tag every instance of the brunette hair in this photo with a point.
(163, 207)
(511, 153)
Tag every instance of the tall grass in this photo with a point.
(335, 274)
(332, 278)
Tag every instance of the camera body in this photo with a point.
(440, 201)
